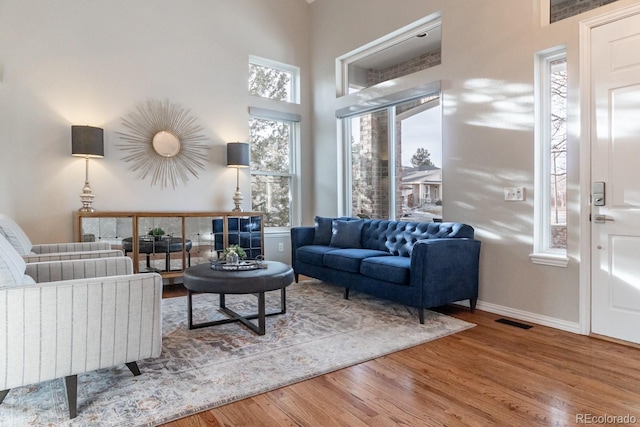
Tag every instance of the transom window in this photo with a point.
(273, 80)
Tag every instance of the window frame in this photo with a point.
(294, 161)
(280, 66)
(543, 253)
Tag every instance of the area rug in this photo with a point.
(204, 368)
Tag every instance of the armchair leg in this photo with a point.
(421, 315)
(346, 293)
(3, 394)
(295, 277)
(133, 367)
(72, 394)
(472, 304)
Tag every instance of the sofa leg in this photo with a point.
(3, 394)
(133, 367)
(346, 293)
(71, 382)
(421, 315)
(295, 277)
(472, 304)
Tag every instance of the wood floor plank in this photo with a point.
(492, 374)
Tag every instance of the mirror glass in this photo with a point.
(166, 144)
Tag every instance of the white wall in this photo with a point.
(75, 62)
(487, 75)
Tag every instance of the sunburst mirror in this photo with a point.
(163, 142)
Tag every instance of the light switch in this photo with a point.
(514, 194)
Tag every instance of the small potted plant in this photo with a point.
(157, 233)
(233, 254)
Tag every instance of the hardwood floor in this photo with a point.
(490, 375)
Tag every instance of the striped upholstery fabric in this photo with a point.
(79, 269)
(70, 247)
(14, 234)
(23, 245)
(52, 330)
(66, 256)
(12, 266)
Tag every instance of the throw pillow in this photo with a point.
(346, 234)
(323, 231)
(15, 235)
(12, 266)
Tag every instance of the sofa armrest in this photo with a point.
(54, 271)
(300, 236)
(53, 330)
(64, 256)
(70, 247)
(447, 270)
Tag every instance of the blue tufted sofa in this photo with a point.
(418, 264)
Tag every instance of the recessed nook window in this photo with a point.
(562, 9)
(408, 50)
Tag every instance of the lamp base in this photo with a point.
(86, 197)
(237, 200)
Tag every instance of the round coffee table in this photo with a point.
(202, 278)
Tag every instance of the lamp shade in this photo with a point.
(87, 141)
(238, 154)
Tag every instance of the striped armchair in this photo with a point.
(54, 251)
(59, 319)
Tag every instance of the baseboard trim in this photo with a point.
(526, 316)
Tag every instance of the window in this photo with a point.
(550, 227)
(408, 50)
(273, 80)
(395, 154)
(272, 169)
(274, 139)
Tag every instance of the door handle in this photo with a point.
(601, 219)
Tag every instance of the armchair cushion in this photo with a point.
(54, 271)
(65, 256)
(51, 248)
(12, 266)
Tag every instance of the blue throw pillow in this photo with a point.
(346, 234)
(323, 231)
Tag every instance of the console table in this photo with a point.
(190, 238)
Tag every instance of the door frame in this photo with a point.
(586, 105)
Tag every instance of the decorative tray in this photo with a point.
(241, 266)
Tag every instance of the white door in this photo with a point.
(615, 161)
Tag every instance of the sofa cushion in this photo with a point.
(346, 234)
(323, 231)
(313, 254)
(12, 265)
(395, 269)
(350, 259)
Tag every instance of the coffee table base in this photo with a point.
(235, 317)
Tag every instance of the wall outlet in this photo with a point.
(514, 194)
(281, 247)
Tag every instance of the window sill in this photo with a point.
(554, 260)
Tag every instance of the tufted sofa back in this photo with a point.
(398, 237)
